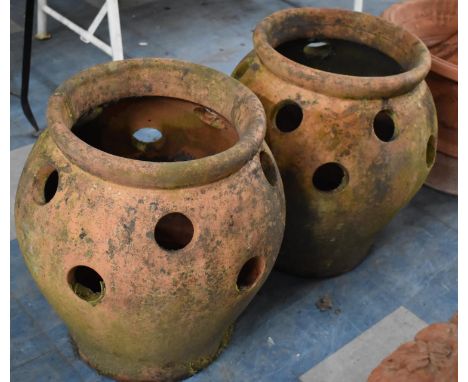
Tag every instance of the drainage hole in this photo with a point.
(268, 168)
(87, 284)
(430, 151)
(46, 184)
(384, 127)
(288, 116)
(250, 273)
(329, 177)
(173, 231)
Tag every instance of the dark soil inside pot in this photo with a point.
(156, 129)
(340, 56)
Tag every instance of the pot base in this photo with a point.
(321, 260)
(170, 373)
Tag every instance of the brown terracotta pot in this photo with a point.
(431, 357)
(150, 263)
(351, 150)
(435, 22)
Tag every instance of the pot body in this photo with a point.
(329, 232)
(435, 22)
(445, 94)
(161, 313)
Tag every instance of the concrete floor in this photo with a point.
(409, 279)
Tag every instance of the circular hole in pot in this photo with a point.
(430, 151)
(147, 139)
(320, 49)
(268, 168)
(329, 177)
(384, 127)
(51, 185)
(288, 116)
(250, 272)
(147, 135)
(173, 231)
(87, 284)
(156, 129)
(46, 184)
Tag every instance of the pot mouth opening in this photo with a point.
(339, 56)
(156, 129)
(156, 123)
(341, 53)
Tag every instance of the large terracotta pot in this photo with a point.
(351, 150)
(150, 263)
(435, 22)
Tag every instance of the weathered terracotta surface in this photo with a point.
(431, 357)
(156, 314)
(328, 233)
(435, 22)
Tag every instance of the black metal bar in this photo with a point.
(28, 31)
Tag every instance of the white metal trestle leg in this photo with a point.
(358, 5)
(109, 8)
(41, 21)
(113, 19)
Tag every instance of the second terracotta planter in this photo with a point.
(352, 149)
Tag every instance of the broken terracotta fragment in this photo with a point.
(149, 244)
(352, 127)
(431, 357)
(435, 22)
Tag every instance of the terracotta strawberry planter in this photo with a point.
(149, 246)
(353, 140)
(435, 22)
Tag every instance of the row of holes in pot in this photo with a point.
(173, 232)
(327, 177)
(333, 176)
(88, 284)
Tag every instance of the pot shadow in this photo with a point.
(279, 291)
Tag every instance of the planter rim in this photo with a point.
(366, 29)
(444, 68)
(440, 66)
(156, 77)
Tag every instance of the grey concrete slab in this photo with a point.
(15, 27)
(377, 7)
(439, 205)
(354, 361)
